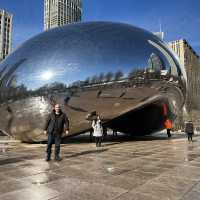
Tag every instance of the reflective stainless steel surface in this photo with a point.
(126, 74)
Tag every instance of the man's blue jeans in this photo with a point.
(53, 138)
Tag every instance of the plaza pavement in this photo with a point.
(148, 168)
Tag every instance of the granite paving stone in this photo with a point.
(147, 168)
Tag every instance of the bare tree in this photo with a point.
(87, 81)
(101, 77)
(118, 75)
(108, 76)
(132, 74)
(94, 79)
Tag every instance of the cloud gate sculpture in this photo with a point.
(124, 73)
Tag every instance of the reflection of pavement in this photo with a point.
(109, 104)
(27, 121)
(147, 168)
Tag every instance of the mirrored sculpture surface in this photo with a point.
(126, 74)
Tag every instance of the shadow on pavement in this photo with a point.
(85, 138)
(86, 152)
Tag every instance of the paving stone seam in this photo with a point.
(189, 190)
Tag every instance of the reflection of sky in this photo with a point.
(81, 52)
(144, 13)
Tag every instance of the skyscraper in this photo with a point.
(5, 33)
(61, 12)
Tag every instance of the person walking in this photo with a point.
(168, 125)
(98, 130)
(189, 130)
(55, 125)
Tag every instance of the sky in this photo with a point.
(178, 18)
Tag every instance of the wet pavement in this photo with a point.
(124, 168)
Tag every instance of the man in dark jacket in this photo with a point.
(189, 130)
(55, 125)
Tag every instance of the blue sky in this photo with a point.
(179, 18)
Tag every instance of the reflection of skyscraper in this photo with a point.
(155, 63)
(61, 12)
(190, 60)
(160, 35)
(5, 33)
(186, 53)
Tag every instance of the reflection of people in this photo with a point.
(54, 127)
(168, 125)
(98, 130)
(105, 132)
(114, 133)
(91, 133)
(189, 130)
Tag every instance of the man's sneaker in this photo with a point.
(48, 159)
(58, 158)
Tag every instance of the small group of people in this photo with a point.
(57, 122)
(189, 129)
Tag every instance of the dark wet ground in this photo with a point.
(124, 168)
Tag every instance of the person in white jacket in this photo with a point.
(98, 130)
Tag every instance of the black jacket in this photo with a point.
(63, 122)
(189, 128)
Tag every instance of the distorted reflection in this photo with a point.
(47, 75)
(90, 67)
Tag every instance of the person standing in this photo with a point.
(189, 130)
(98, 130)
(55, 125)
(114, 133)
(168, 125)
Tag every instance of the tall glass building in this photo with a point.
(5, 34)
(61, 12)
